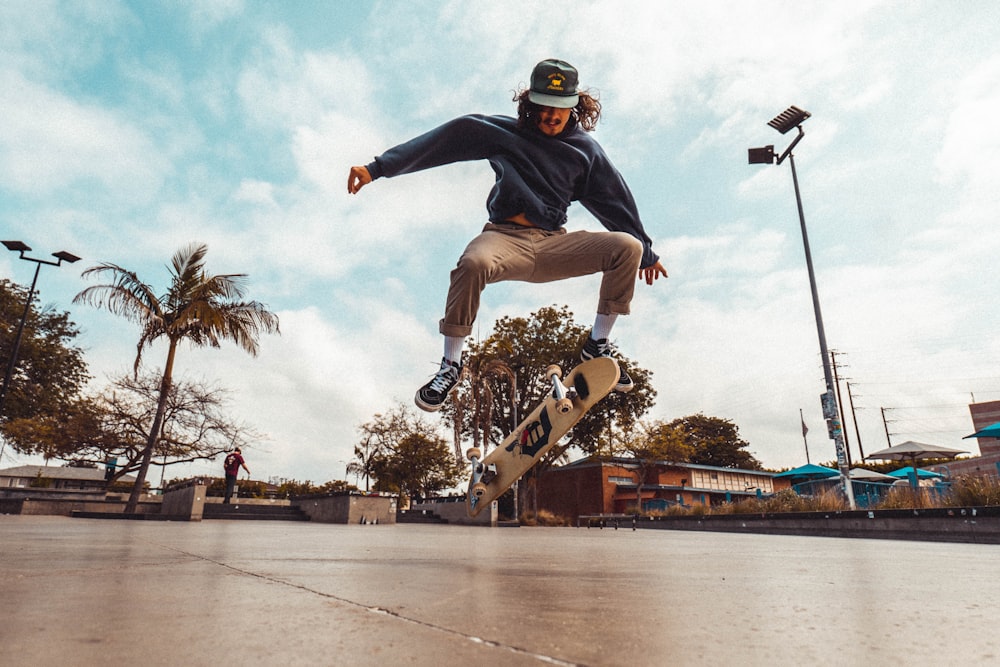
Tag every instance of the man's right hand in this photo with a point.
(357, 179)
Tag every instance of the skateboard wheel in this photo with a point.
(473, 453)
(553, 370)
(479, 490)
(564, 405)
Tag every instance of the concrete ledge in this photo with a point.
(185, 501)
(348, 507)
(453, 511)
(980, 525)
(68, 507)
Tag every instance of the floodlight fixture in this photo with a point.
(67, 257)
(16, 246)
(763, 155)
(788, 119)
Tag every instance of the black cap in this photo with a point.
(553, 84)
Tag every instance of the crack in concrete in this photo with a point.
(385, 612)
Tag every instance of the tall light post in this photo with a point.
(61, 256)
(790, 118)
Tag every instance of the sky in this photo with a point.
(133, 129)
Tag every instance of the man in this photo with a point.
(232, 467)
(544, 160)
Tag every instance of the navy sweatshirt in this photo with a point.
(536, 175)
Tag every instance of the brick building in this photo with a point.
(987, 464)
(591, 486)
(56, 477)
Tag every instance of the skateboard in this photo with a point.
(565, 405)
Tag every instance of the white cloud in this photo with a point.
(971, 150)
(49, 142)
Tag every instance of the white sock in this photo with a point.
(603, 325)
(453, 346)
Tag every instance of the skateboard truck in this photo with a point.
(481, 474)
(562, 395)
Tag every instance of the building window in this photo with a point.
(621, 480)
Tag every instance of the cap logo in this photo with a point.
(556, 82)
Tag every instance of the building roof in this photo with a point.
(61, 472)
(620, 460)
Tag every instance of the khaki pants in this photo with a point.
(508, 251)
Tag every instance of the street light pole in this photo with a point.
(783, 122)
(61, 256)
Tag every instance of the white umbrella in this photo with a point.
(865, 475)
(912, 451)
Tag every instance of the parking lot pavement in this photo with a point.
(82, 591)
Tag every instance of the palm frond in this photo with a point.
(125, 295)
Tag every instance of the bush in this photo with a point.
(973, 492)
(544, 518)
(41, 482)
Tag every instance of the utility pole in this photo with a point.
(840, 402)
(885, 424)
(854, 417)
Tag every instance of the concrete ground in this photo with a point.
(111, 592)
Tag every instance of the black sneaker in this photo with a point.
(601, 348)
(432, 395)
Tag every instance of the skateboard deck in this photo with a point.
(567, 401)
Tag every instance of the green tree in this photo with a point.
(715, 442)
(378, 437)
(199, 308)
(420, 464)
(402, 453)
(651, 444)
(50, 373)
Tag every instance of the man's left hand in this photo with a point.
(651, 273)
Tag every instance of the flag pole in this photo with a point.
(805, 429)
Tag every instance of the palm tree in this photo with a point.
(199, 308)
(478, 397)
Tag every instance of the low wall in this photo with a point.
(348, 508)
(21, 492)
(454, 512)
(70, 506)
(184, 503)
(969, 524)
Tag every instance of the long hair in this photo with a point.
(586, 112)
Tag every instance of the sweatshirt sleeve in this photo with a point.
(462, 139)
(608, 198)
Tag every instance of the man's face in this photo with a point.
(552, 121)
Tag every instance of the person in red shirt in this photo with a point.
(232, 467)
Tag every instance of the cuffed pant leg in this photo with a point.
(497, 254)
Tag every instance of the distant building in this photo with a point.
(983, 415)
(988, 462)
(591, 486)
(56, 477)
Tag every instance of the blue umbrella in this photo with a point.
(991, 431)
(904, 473)
(808, 471)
